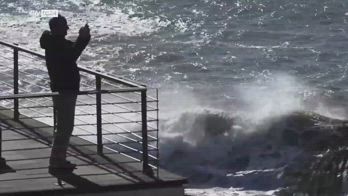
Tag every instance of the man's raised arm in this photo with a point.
(81, 41)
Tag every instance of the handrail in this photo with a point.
(119, 80)
(131, 87)
(36, 95)
(14, 46)
(115, 79)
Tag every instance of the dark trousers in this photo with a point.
(64, 105)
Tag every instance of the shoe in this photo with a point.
(62, 165)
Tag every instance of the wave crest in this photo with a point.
(211, 147)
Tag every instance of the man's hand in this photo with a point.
(85, 32)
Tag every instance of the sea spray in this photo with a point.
(260, 139)
(269, 96)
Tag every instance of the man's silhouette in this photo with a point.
(61, 56)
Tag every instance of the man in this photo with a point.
(61, 56)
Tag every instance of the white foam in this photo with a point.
(227, 192)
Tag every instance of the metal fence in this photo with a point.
(111, 112)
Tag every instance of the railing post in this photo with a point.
(2, 160)
(99, 116)
(146, 168)
(54, 120)
(15, 83)
(157, 135)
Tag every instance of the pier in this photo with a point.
(114, 143)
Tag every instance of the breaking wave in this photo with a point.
(278, 124)
(211, 148)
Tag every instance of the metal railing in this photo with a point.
(114, 113)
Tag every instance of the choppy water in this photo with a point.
(225, 68)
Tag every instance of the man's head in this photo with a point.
(59, 25)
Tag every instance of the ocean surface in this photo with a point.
(239, 80)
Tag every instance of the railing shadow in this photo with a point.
(92, 158)
(72, 179)
(125, 170)
(4, 168)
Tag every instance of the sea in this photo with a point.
(250, 91)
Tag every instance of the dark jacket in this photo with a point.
(61, 57)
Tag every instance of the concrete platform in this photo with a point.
(26, 148)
